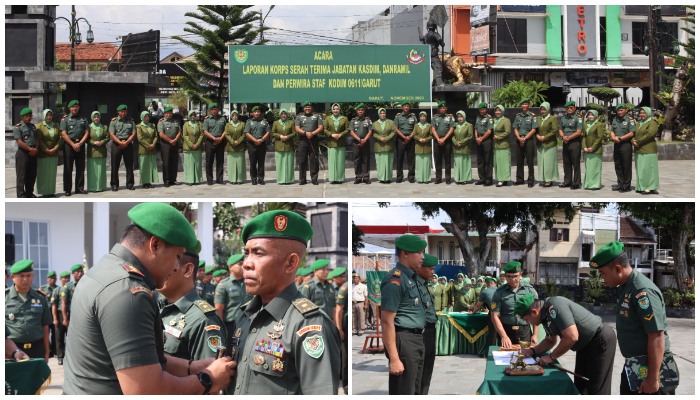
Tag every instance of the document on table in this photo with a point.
(503, 358)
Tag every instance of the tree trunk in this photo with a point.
(465, 244)
(529, 247)
(672, 105)
(680, 267)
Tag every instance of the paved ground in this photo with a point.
(463, 374)
(677, 181)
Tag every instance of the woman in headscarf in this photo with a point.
(336, 126)
(501, 146)
(96, 167)
(192, 138)
(469, 298)
(593, 133)
(646, 161)
(49, 139)
(286, 141)
(547, 159)
(235, 149)
(384, 131)
(461, 149)
(422, 134)
(458, 293)
(147, 136)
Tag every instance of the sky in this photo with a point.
(334, 23)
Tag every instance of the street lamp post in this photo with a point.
(74, 34)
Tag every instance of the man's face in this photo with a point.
(308, 277)
(356, 280)
(51, 280)
(27, 118)
(525, 106)
(77, 274)
(200, 273)
(298, 279)
(256, 114)
(406, 108)
(482, 111)
(74, 110)
(621, 112)
(265, 265)
(64, 280)
(570, 110)
(23, 281)
(442, 109)
(236, 269)
(207, 278)
(218, 278)
(166, 259)
(340, 280)
(168, 115)
(322, 273)
(414, 259)
(175, 280)
(513, 278)
(122, 114)
(425, 272)
(534, 317)
(360, 112)
(214, 111)
(308, 109)
(611, 274)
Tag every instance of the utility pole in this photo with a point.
(651, 27)
(72, 39)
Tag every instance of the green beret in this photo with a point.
(303, 271)
(73, 103)
(234, 259)
(220, 272)
(606, 254)
(570, 103)
(430, 260)
(64, 274)
(491, 279)
(522, 304)
(167, 109)
(512, 266)
(307, 103)
(281, 224)
(483, 105)
(337, 272)
(405, 102)
(621, 105)
(523, 100)
(22, 266)
(51, 274)
(25, 111)
(213, 105)
(320, 263)
(208, 269)
(76, 267)
(202, 263)
(194, 250)
(361, 105)
(121, 107)
(308, 271)
(255, 108)
(410, 243)
(441, 103)
(165, 222)
(299, 271)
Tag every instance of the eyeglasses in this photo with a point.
(512, 276)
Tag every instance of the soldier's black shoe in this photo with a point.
(438, 181)
(615, 188)
(114, 189)
(488, 183)
(366, 180)
(255, 181)
(261, 181)
(530, 184)
(627, 189)
(302, 182)
(82, 191)
(165, 185)
(575, 187)
(358, 181)
(130, 187)
(480, 182)
(518, 183)
(411, 180)
(562, 185)
(60, 361)
(314, 182)
(210, 183)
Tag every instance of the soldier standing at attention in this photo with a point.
(423, 276)
(120, 288)
(341, 322)
(318, 290)
(169, 133)
(218, 276)
(621, 133)
(308, 126)
(257, 130)
(403, 318)
(524, 128)
(74, 130)
(405, 144)
(122, 131)
(283, 342)
(48, 289)
(66, 299)
(485, 299)
(570, 128)
(230, 293)
(27, 314)
(511, 329)
(443, 125)
(483, 129)
(339, 277)
(215, 145)
(57, 314)
(642, 329)
(199, 282)
(361, 131)
(25, 135)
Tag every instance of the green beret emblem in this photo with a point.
(280, 223)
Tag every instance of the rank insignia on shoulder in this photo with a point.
(211, 327)
(41, 292)
(396, 282)
(114, 118)
(132, 269)
(304, 306)
(397, 273)
(204, 306)
(137, 289)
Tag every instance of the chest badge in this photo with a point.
(11, 317)
(274, 335)
(415, 302)
(279, 327)
(258, 359)
(173, 322)
(238, 332)
(277, 365)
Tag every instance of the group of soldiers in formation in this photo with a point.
(263, 326)
(412, 297)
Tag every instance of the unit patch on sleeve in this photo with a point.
(139, 289)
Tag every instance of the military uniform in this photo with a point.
(232, 294)
(442, 125)
(169, 153)
(199, 286)
(285, 347)
(405, 123)
(26, 320)
(361, 155)
(61, 331)
(308, 148)
(503, 302)
(429, 302)
(122, 129)
(75, 127)
(208, 290)
(486, 298)
(48, 289)
(484, 151)
(321, 294)
(215, 127)
(26, 165)
(524, 123)
(571, 153)
(622, 152)
(257, 128)
(341, 299)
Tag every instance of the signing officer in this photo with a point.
(215, 145)
(570, 128)
(511, 330)
(27, 314)
(75, 132)
(621, 133)
(642, 330)
(423, 276)
(308, 126)
(257, 130)
(283, 343)
(169, 133)
(230, 293)
(580, 331)
(318, 290)
(405, 144)
(361, 131)
(116, 338)
(26, 136)
(403, 318)
(443, 125)
(122, 131)
(483, 129)
(485, 299)
(524, 128)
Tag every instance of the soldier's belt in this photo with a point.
(417, 331)
(75, 140)
(27, 346)
(515, 327)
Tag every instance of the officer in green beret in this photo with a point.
(511, 329)
(230, 293)
(580, 331)
(257, 131)
(622, 130)
(208, 287)
(570, 128)
(403, 317)
(361, 132)
(524, 128)
(27, 313)
(75, 132)
(26, 136)
(318, 290)
(485, 299)
(642, 329)
(339, 276)
(218, 276)
(283, 343)
(169, 132)
(483, 129)
(405, 144)
(423, 276)
(215, 145)
(443, 125)
(199, 282)
(65, 295)
(116, 314)
(299, 278)
(48, 289)
(122, 131)
(308, 125)
(56, 305)
(341, 322)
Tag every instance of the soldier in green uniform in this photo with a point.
(341, 322)
(622, 130)
(218, 276)
(580, 331)
(524, 128)
(27, 314)
(26, 136)
(299, 278)
(122, 131)
(361, 132)
(485, 299)
(56, 305)
(511, 329)
(169, 132)
(308, 125)
(318, 290)
(48, 289)
(438, 292)
(74, 130)
(65, 296)
(339, 277)
(443, 125)
(423, 276)
(405, 144)
(230, 293)
(483, 129)
(208, 287)
(257, 131)
(116, 343)
(283, 343)
(570, 128)
(199, 282)
(215, 145)
(642, 329)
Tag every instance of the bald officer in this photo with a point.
(230, 293)
(283, 343)
(403, 318)
(642, 329)
(511, 330)
(25, 135)
(75, 132)
(169, 132)
(215, 145)
(424, 274)
(122, 131)
(308, 126)
(318, 290)
(116, 339)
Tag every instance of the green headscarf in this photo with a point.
(97, 127)
(283, 121)
(52, 130)
(649, 116)
(380, 120)
(144, 123)
(589, 124)
(460, 126)
(423, 125)
(547, 107)
(193, 124)
(234, 123)
(336, 120)
(497, 120)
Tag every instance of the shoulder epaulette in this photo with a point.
(305, 306)
(40, 291)
(130, 268)
(114, 118)
(244, 305)
(306, 286)
(18, 125)
(532, 113)
(435, 115)
(451, 115)
(204, 306)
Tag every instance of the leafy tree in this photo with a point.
(180, 100)
(271, 206)
(357, 243)
(223, 249)
(227, 219)
(60, 67)
(511, 94)
(606, 95)
(97, 67)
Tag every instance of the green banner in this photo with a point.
(341, 73)
(374, 286)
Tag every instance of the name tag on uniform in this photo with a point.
(173, 332)
(318, 291)
(199, 288)
(234, 289)
(10, 305)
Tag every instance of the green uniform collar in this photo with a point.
(31, 293)
(316, 281)
(277, 307)
(404, 269)
(628, 285)
(186, 301)
(126, 255)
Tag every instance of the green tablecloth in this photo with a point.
(26, 377)
(461, 334)
(497, 382)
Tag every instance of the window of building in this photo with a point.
(452, 251)
(639, 30)
(559, 235)
(603, 38)
(440, 251)
(31, 242)
(18, 9)
(511, 35)
(80, 67)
